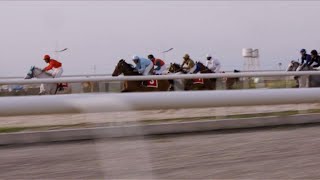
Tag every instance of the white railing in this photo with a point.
(93, 103)
(159, 77)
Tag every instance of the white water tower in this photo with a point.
(251, 59)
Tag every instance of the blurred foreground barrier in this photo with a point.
(93, 103)
(158, 77)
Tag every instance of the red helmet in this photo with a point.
(46, 57)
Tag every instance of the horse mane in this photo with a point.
(295, 62)
(130, 66)
(198, 62)
(130, 69)
(176, 65)
(37, 68)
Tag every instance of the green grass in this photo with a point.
(239, 116)
(39, 128)
(281, 84)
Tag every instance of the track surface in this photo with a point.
(286, 152)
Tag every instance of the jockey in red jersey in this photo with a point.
(159, 65)
(54, 65)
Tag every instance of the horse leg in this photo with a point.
(296, 78)
(56, 89)
(168, 86)
(51, 89)
(165, 85)
(171, 85)
(227, 84)
(187, 85)
(302, 81)
(213, 83)
(124, 89)
(308, 81)
(314, 81)
(208, 84)
(42, 89)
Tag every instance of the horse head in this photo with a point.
(36, 72)
(123, 68)
(174, 68)
(293, 65)
(30, 74)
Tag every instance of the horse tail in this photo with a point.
(57, 87)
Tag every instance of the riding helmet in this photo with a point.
(314, 52)
(46, 57)
(303, 51)
(150, 56)
(135, 57)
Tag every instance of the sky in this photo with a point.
(100, 33)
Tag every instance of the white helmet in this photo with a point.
(135, 57)
(208, 55)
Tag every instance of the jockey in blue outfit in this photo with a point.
(143, 65)
(305, 57)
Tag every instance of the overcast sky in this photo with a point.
(101, 33)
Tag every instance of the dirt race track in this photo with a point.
(276, 153)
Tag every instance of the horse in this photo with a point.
(137, 86)
(229, 82)
(233, 81)
(192, 84)
(51, 88)
(304, 81)
(177, 84)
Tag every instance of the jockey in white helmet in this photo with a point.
(143, 65)
(213, 64)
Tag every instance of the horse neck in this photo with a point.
(41, 75)
(204, 69)
(130, 72)
(177, 67)
(202, 66)
(293, 67)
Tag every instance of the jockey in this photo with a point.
(159, 65)
(305, 57)
(191, 66)
(54, 65)
(143, 66)
(213, 64)
(315, 59)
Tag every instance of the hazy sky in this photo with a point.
(101, 33)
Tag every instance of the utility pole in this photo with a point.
(94, 69)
